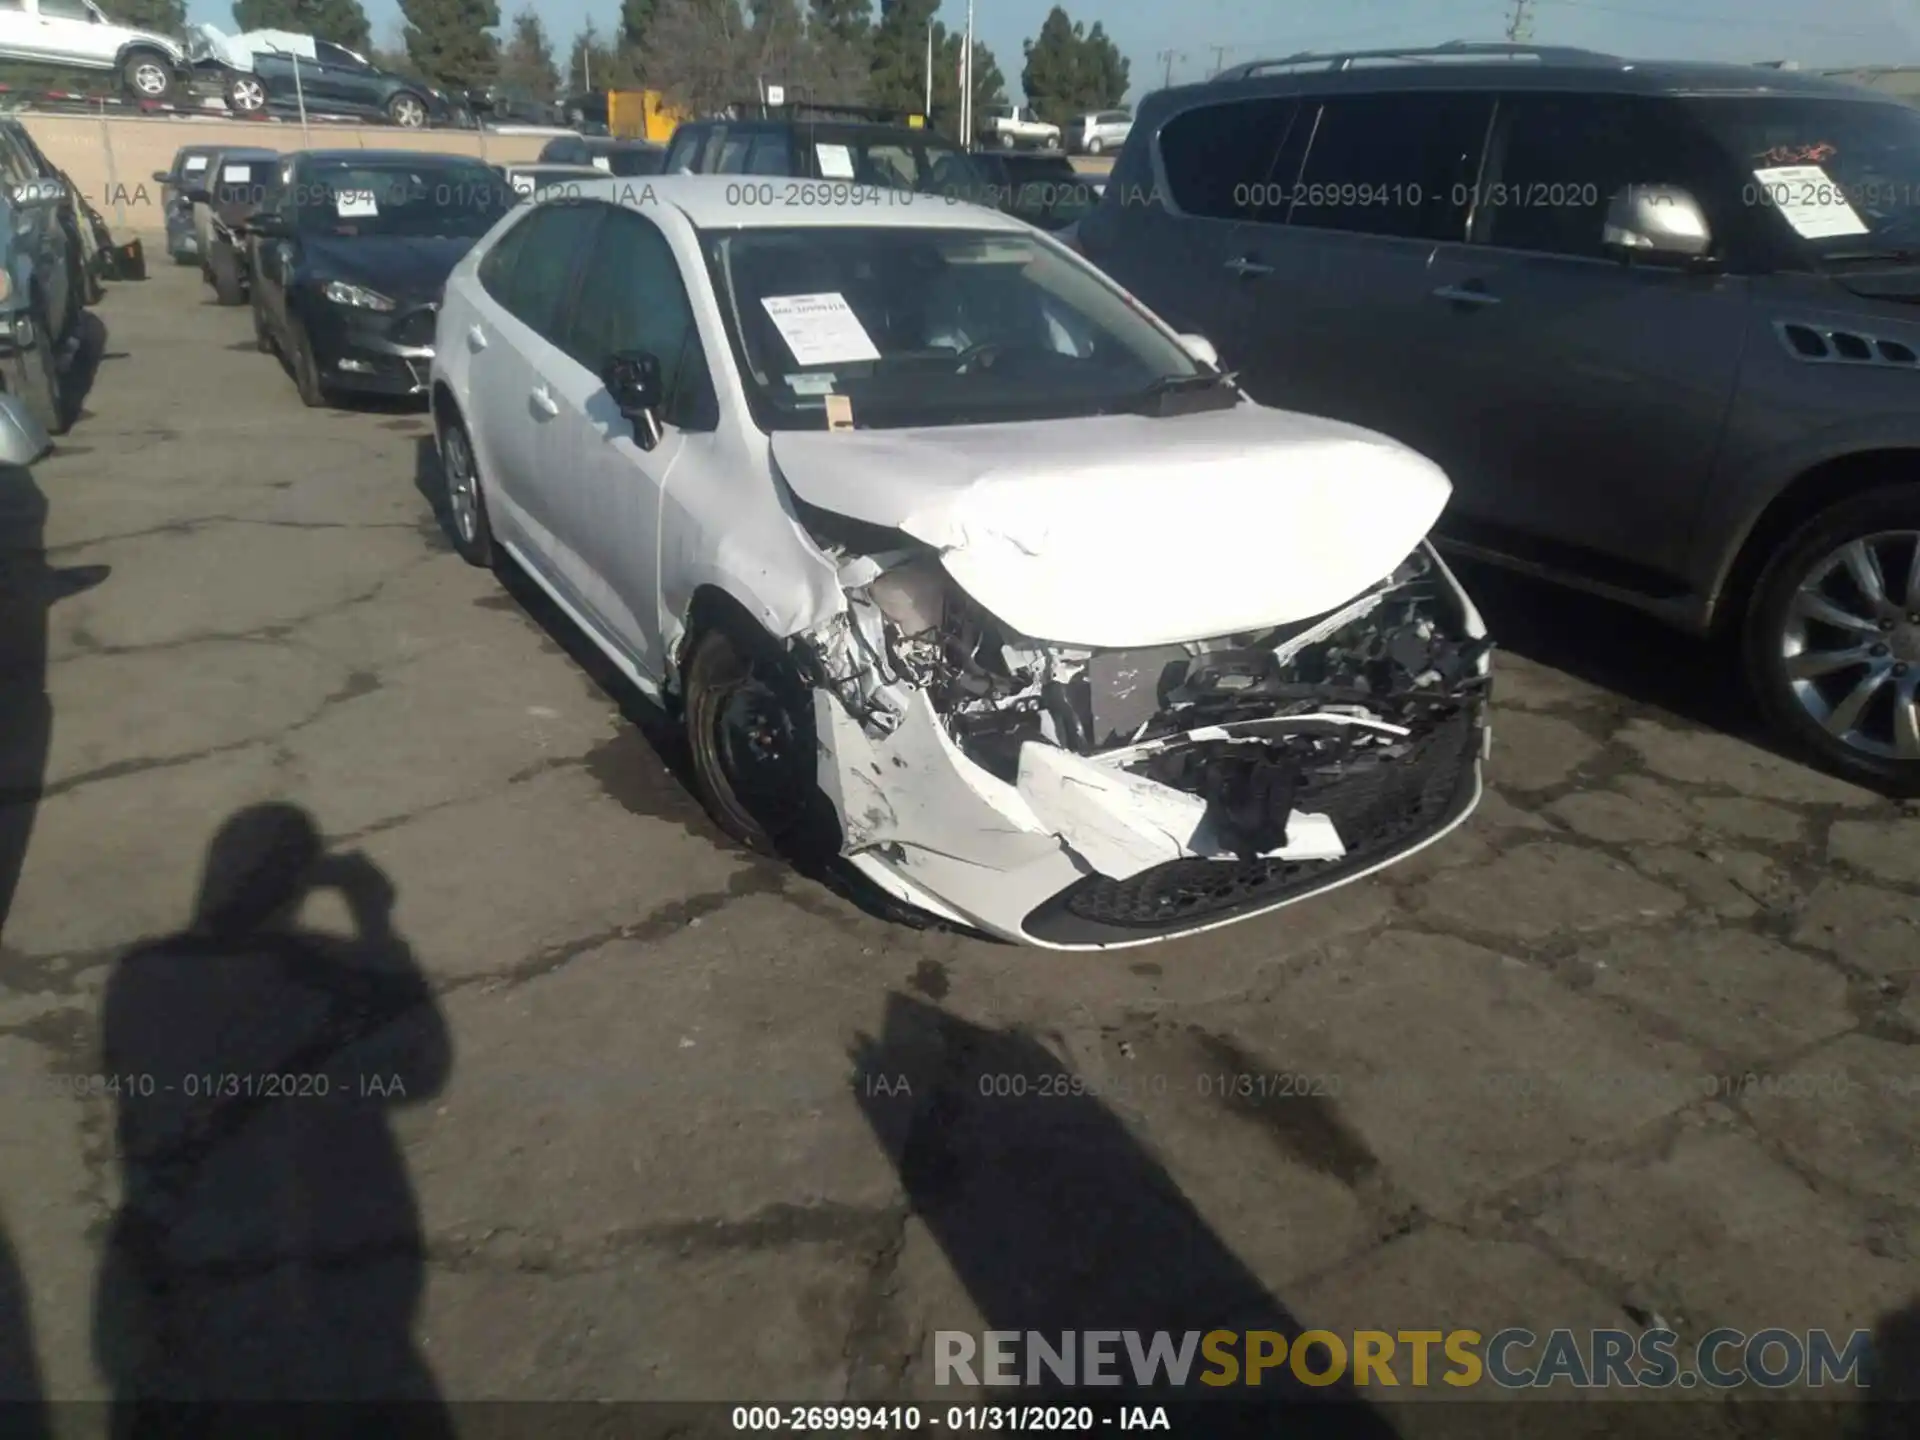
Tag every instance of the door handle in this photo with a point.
(544, 402)
(1248, 268)
(1465, 295)
(476, 338)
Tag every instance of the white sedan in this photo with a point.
(955, 560)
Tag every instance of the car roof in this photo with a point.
(243, 152)
(1462, 69)
(384, 157)
(867, 130)
(720, 202)
(616, 142)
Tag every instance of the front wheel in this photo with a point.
(1095, 146)
(36, 380)
(246, 95)
(749, 726)
(262, 336)
(1832, 638)
(466, 502)
(223, 268)
(306, 370)
(407, 111)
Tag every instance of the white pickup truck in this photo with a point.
(77, 34)
(1016, 127)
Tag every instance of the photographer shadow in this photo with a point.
(268, 1245)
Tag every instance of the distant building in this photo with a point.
(1902, 82)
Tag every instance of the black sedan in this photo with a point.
(350, 257)
(335, 81)
(605, 154)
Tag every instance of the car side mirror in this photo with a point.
(267, 225)
(162, 177)
(1201, 349)
(1656, 222)
(633, 379)
(39, 192)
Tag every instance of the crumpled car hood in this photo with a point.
(1127, 530)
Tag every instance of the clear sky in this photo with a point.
(1201, 34)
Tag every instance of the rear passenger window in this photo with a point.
(1563, 158)
(1401, 164)
(681, 154)
(733, 156)
(1218, 159)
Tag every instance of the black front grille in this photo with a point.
(416, 327)
(1380, 810)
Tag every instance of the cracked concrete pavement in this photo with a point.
(1638, 1044)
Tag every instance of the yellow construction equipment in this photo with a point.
(641, 115)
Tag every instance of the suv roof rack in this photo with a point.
(1420, 54)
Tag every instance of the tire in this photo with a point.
(407, 110)
(223, 268)
(1834, 669)
(246, 95)
(262, 336)
(306, 370)
(736, 669)
(147, 75)
(1007, 142)
(35, 379)
(466, 497)
(1095, 146)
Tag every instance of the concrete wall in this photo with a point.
(112, 158)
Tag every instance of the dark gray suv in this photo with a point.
(1659, 322)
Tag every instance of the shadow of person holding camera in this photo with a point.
(267, 1247)
(23, 1413)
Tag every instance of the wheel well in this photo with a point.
(711, 606)
(1810, 492)
(142, 47)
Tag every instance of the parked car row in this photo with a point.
(1656, 321)
(910, 515)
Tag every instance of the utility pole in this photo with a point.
(1169, 56)
(966, 85)
(1220, 58)
(1520, 23)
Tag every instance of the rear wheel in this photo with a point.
(1833, 638)
(246, 95)
(147, 75)
(262, 336)
(750, 731)
(1007, 142)
(223, 268)
(1095, 145)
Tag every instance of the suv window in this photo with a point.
(733, 155)
(1400, 164)
(686, 146)
(65, 10)
(1561, 159)
(639, 302)
(544, 263)
(771, 155)
(1218, 158)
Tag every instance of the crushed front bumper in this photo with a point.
(376, 354)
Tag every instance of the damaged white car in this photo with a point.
(940, 543)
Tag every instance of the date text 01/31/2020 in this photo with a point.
(203, 1085)
(867, 1419)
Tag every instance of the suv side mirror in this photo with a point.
(1200, 348)
(633, 379)
(1656, 222)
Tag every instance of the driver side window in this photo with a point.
(67, 10)
(335, 56)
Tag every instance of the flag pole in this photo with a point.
(927, 108)
(966, 85)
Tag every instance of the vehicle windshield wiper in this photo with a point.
(1210, 388)
(1877, 257)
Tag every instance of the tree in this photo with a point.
(840, 49)
(449, 40)
(776, 50)
(168, 17)
(845, 20)
(1071, 71)
(591, 63)
(897, 75)
(636, 19)
(698, 54)
(342, 22)
(526, 60)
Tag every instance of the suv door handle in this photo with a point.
(476, 339)
(544, 403)
(1248, 268)
(1465, 295)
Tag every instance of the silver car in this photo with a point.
(1102, 132)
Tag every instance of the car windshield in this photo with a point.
(1843, 175)
(923, 326)
(462, 198)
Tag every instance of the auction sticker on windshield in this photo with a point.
(820, 329)
(236, 174)
(1809, 200)
(196, 162)
(836, 161)
(351, 204)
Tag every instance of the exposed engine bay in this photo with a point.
(1244, 729)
